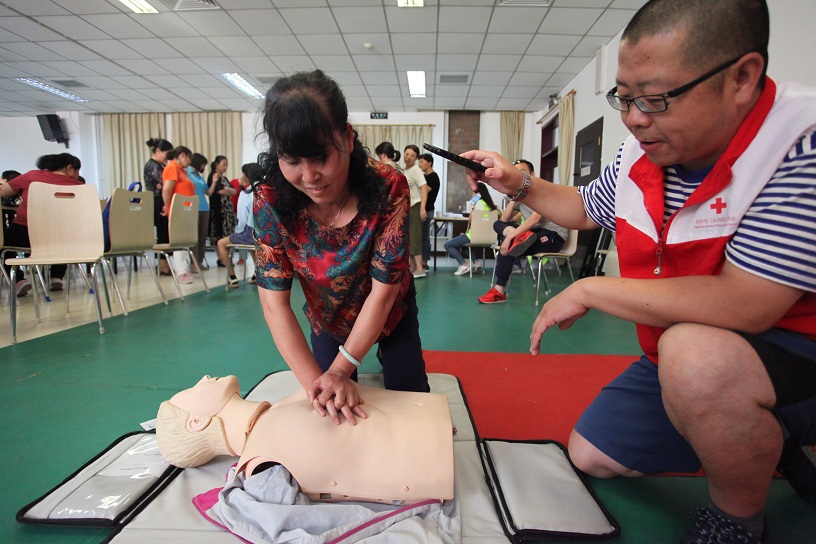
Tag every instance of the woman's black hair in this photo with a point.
(198, 161)
(180, 150)
(9, 175)
(213, 164)
(484, 194)
(59, 161)
(387, 149)
(159, 144)
(302, 116)
(414, 148)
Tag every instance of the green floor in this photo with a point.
(67, 396)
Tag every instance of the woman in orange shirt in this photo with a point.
(175, 181)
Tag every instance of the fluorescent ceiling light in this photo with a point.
(243, 85)
(410, 3)
(139, 6)
(416, 84)
(50, 89)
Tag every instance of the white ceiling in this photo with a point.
(514, 57)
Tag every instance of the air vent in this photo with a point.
(453, 79)
(69, 83)
(191, 5)
(267, 80)
(526, 3)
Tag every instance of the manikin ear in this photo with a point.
(746, 77)
(198, 423)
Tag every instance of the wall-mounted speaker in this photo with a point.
(52, 128)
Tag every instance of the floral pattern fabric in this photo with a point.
(336, 266)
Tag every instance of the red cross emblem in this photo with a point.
(718, 205)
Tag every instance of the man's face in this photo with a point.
(409, 156)
(524, 167)
(698, 124)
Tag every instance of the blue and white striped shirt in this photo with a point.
(776, 238)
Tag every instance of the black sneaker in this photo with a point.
(711, 528)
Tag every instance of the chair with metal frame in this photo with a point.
(183, 228)
(64, 227)
(566, 253)
(231, 248)
(131, 234)
(482, 234)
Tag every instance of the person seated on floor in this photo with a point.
(401, 451)
(534, 235)
(59, 169)
(244, 230)
(483, 201)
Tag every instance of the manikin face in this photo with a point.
(409, 156)
(208, 396)
(698, 124)
(323, 181)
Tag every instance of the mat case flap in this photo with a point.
(540, 495)
(119, 482)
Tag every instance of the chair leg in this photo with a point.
(172, 268)
(96, 297)
(39, 274)
(34, 293)
(231, 251)
(200, 273)
(568, 264)
(470, 260)
(154, 275)
(104, 286)
(107, 263)
(13, 304)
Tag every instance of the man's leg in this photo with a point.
(720, 398)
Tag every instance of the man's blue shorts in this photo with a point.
(627, 420)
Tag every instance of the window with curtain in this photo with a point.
(211, 133)
(399, 135)
(124, 147)
(512, 134)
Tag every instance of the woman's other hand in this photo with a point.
(335, 394)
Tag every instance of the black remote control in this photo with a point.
(467, 163)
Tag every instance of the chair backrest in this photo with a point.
(183, 221)
(65, 221)
(571, 243)
(131, 221)
(481, 227)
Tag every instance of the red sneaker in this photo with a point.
(521, 243)
(493, 297)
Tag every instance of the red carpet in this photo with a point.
(520, 396)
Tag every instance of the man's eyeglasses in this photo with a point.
(655, 103)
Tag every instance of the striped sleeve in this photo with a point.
(599, 195)
(776, 239)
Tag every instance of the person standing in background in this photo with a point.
(153, 169)
(432, 179)
(222, 212)
(419, 195)
(198, 163)
(388, 155)
(175, 181)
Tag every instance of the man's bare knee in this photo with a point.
(592, 461)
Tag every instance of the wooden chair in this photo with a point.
(232, 248)
(566, 253)
(131, 234)
(4, 277)
(183, 227)
(482, 234)
(64, 226)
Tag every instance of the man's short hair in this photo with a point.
(718, 31)
(528, 163)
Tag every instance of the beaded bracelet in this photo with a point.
(525, 188)
(349, 356)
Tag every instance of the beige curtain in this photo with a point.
(211, 133)
(512, 135)
(566, 138)
(124, 148)
(399, 135)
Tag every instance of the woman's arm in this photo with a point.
(291, 343)
(6, 190)
(168, 187)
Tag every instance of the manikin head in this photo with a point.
(188, 431)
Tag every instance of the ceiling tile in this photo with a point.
(31, 30)
(119, 25)
(357, 20)
(112, 49)
(456, 19)
(237, 46)
(73, 27)
(569, 20)
(339, 63)
(323, 44)
(71, 50)
(310, 20)
(510, 20)
(260, 22)
(552, 45)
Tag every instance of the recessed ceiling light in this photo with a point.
(139, 6)
(410, 3)
(416, 84)
(53, 90)
(243, 85)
